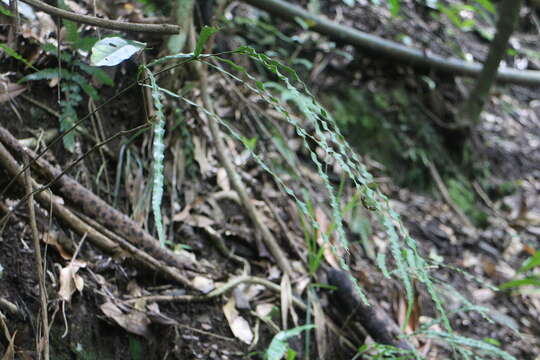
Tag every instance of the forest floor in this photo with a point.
(98, 321)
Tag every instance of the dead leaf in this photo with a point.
(135, 322)
(9, 90)
(321, 333)
(51, 238)
(301, 284)
(324, 228)
(195, 203)
(243, 294)
(223, 180)
(239, 326)
(203, 284)
(75, 7)
(46, 25)
(201, 156)
(273, 273)
(135, 290)
(200, 221)
(264, 310)
(70, 281)
(155, 315)
(286, 302)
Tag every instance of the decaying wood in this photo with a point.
(373, 319)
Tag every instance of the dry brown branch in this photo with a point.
(230, 285)
(104, 23)
(377, 47)
(95, 207)
(94, 231)
(140, 255)
(372, 317)
(446, 196)
(98, 209)
(11, 308)
(43, 346)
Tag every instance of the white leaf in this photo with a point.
(239, 326)
(112, 51)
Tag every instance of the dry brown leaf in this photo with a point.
(135, 290)
(51, 238)
(70, 281)
(529, 249)
(135, 322)
(185, 213)
(533, 217)
(273, 273)
(414, 318)
(301, 284)
(223, 180)
(264, 310)
(200, 221)
(155, 315)
(203, 284)
(239, 326)
(75, 7)
(46, 25)
(243, 294)
(9, 90)
(321, 333)
(201, 156)
(286, 302)
(324, 226)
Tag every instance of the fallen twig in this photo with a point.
(43, 345)
(104, 23)
(446, 196)
(96, 208)
(372, 318)
(97, 235)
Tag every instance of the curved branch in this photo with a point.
(374, 45)
(104, 23)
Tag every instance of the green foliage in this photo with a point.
(532, 279)
(158, 152)
(71, 85)
(324, 134)
(73, 37)
(380, 352)
(394, 6)
(12, 53)
(391, 128)
(206, 32)
(69, 78)
(315, 252)
(268, 39)
(135, 348)
(454, 13)
(279, 346)
(463, 196)
(482, 348)
(5, 11)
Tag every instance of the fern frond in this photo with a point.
(158, 153)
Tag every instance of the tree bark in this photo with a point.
(508, 17)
